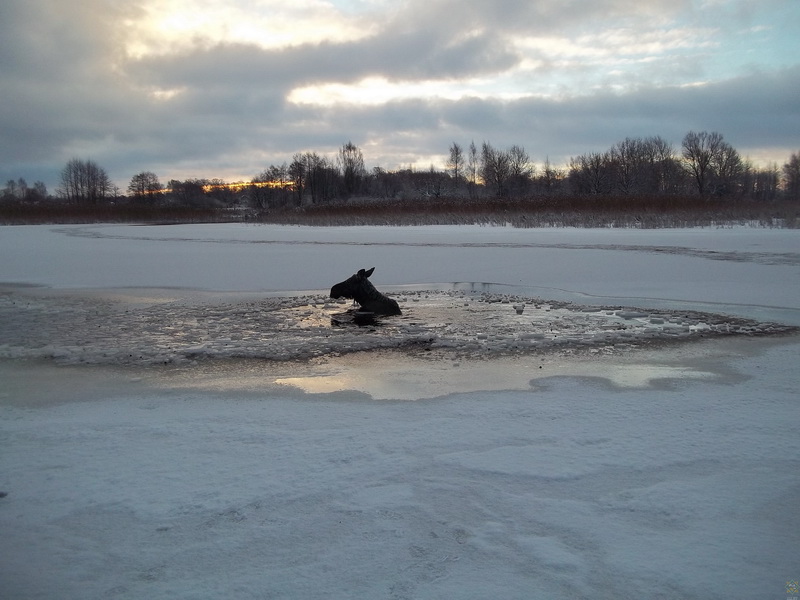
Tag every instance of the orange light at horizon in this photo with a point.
(238, 186)
(272, 184)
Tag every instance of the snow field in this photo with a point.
(590, 444)
(575, 490)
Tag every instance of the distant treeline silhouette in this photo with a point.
(475, 180)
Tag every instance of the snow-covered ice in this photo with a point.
(558, 413)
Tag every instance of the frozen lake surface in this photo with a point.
(588, 413)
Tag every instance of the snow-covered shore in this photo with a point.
(717, 266)
(627, 470)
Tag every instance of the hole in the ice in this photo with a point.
(361, 318)
(103, 329)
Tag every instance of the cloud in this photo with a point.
(170, 26)
(404, 57)
(751, 111)
(220, 93)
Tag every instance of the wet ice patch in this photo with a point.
(155, 328)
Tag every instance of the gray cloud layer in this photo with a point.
(215, 109)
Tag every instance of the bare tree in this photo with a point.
(628, 162)
(351, 164)
(297, 172)
(495, 169)
(520, 169)
(220, 193)
(472, 168)
(728, 169)
(10, 189)
(550, 177)
(145, 187)
(191, 192)
(271, 187)
(84, 181)
(384, 184)
(760, 184)
(319, 177)
(519, 162)
(22, 188)
(39, 191)
(434, 183)
(699, 150)
(456, 161)
(314, 177)
(662, 169)
(791, 177)
(591, 173)
(260, 192)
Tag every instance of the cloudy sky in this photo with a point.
(224, 88)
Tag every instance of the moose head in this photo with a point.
(359, 288)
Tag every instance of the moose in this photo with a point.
(359, 288)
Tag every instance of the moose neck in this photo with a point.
(367, 293)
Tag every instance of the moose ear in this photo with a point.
(362, 273)
(368, 273)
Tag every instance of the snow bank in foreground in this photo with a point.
(572, 490)
(117, 329)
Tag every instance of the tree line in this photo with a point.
(705, 165)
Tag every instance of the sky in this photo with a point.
(224, 88)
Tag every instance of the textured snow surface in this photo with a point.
(613, 417)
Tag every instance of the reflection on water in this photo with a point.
(400, 377)
(384, 375)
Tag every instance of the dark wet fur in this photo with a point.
(359, 288)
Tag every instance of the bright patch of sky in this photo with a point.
(379, 90)
(173, 25)
(712, 41)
